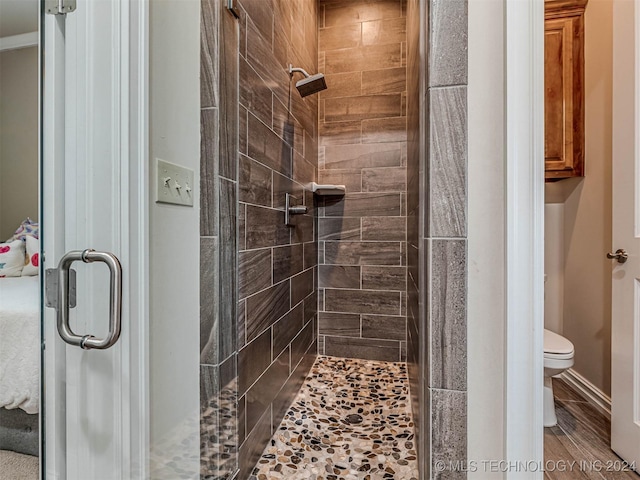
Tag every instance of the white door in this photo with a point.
(625, 337)
(95, 197)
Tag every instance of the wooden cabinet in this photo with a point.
(564, 88)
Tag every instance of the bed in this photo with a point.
(19, 363)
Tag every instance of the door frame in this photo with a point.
(524, 189)
(134, 128)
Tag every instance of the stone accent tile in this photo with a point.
(362, 301)
(255, 182)
(264, 308)
(448, 314)
(448, 432)
(386, 327)
(339, 324)
(384, 278)
(448, 163)
(338, 276)
(287, 261)
(384, 179)
(384, 228)
(362, 253)
(363, 348)
(372, 204)
(254, 272)
(209, 334)
(448, 32)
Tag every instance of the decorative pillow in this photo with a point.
(33, 257)
(11, 258)
(28, 227)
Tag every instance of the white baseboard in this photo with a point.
(596, 397)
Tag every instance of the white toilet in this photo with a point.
(558, 356)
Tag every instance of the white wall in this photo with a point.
(174, 257)
(18, 138)
(486, 319)
(586, 205)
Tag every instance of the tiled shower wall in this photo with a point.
(218, 250)
(363, 133)
(277, 263)
(437, 206)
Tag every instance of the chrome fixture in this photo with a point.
(621, 255)
(290, 209)
(65, 289)
(310, 84)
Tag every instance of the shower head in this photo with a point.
(310, 84)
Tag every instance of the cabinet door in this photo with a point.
(564, 123)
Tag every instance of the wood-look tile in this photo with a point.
(360, 58)
(265, 228)
(389, 30)
(285, 329)
(254, 271)
(263, 392)
(209, 155)
(362, 156)
(384, 179)
(362, 301)
(339, 324)
(344, 36)
(241, 313)
(310, 254)
(255, 183)
(283, 185)
(348, 13)
(351, 179)
(242, 129)
(228, 266)
(255, 95)
(387, 80)
(448, 162)
(242, 218)
(242, 424)
(362, 253)
(387, 327)
(365, 348)
(342, 85)
(304, 109)
(384, 228)
(287, 127)
(372, 204)
(300, 345)
(448, 314)
(209, 334)
(250, 451)
(209, 53)
(261, 13)
(562, 391)
(303, 228)
(287, 261)
(339, 133)
(384, 278)
(339, 228)
(264, 308)
(267, 148)
(448, 40)
(302, 286)
(253, 359)
(338, 276)
(311, 306)
(228, 164)
(348, 109)
(303, 171)
(559, 449)
(382, 130)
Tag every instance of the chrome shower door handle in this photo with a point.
(88, 342)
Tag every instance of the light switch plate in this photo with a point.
(174, 184)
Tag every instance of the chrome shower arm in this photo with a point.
(293, 70)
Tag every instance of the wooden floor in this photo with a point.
(581, 436)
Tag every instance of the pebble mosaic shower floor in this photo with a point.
(351, 420)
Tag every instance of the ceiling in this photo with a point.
(18, 16)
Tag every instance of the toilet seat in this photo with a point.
(556, 346)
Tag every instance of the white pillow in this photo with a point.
(33, 256)
(11, 258)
